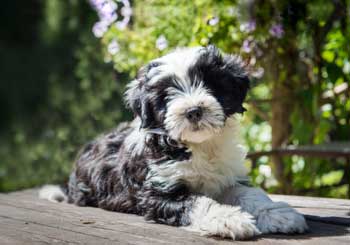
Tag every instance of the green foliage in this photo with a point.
(306, 51)
(82, 100)
(288, 46)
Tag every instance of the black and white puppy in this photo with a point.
(180, 161)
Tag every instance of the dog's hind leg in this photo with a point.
(271, 217)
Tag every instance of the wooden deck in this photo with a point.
(24, 219)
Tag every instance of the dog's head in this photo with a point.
(189, 93)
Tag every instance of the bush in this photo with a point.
(297, 55)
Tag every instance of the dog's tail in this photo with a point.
(53, 193)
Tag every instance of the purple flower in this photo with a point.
(109, 6)
(121, 25)
(247, 46)
(249, 26)
(213, 21)
(109, 17)
(276, 30)
(161, 43)
(126, 11)
(113, 47)
(106, 10)
(97, 3)
(126, 3)
(99, 28)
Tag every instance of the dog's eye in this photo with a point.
(153, 64)
(171, 142)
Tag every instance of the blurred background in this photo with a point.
(64, 65)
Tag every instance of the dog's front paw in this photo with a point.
(231, 226)
(280, 218)
(224, 221)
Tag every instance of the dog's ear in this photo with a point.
(137, 99)
(237, 68)
(146, 114)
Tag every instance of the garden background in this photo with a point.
(64, 65)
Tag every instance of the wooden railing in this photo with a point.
(327, 150)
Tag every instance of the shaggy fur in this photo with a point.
(180, 161)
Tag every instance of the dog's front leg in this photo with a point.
(199, 214)
(271, 217)
(214, 219)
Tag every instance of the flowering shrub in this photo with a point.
(126, 43)
(107, 12)
(297, 54)
(275, 38)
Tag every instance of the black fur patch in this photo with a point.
(224, 77)
(113, 179)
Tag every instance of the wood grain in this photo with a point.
(25, 219)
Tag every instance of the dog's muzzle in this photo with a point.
(194, 114)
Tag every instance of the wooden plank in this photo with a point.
(24, 219)
(28, 232)
(94, 222)
(317, 202)
(333, 149)
(329, 210)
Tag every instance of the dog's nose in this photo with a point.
(194, 114)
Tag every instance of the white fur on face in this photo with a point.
(175, 64)
(185, 95)
(192, 96)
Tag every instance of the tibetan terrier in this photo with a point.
(180, 161)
